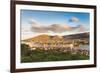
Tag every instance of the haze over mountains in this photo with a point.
(45, 37)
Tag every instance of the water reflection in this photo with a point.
(84, 47)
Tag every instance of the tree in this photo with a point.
(25, 49)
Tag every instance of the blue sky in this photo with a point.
(47, 18)
(51, 17)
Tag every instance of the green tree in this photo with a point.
(25, 49)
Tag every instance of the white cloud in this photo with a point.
(55, 28)
(74, 19)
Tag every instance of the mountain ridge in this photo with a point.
(45, 37)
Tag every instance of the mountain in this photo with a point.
(77, 36)
(56, 37)
(45, 37)
(42, 37)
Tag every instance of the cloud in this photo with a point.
(36, 27)
(74, 19)
(55, 28)
(25, 29)
(81, 28)
(59, 28)
(39, 28)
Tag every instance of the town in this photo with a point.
(62, 46)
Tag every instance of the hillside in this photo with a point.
(77, 36)
(45, 37)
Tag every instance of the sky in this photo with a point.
(35, 22)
